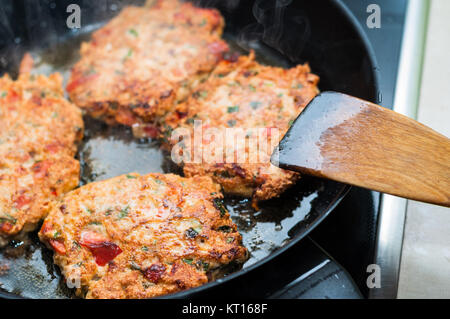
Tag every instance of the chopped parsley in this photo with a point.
(232, 109)
(124, 212)
(76, 245)
(8, 218)
(202, 265)
(131, 176)
(231, 123)
(129, 54)
(205, 266)
(218, 203)
(255, 104)
(188, 260)
(133, 32)
(203, 94)
(225, 229)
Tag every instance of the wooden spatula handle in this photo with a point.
(353, 141)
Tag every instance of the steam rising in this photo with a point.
(279, 26)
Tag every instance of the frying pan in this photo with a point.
(283, 33)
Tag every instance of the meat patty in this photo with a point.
(261, 101)
(38, 134)
(137, 67)
(138, 236)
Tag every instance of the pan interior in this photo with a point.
(26, 267)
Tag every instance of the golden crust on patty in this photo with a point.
(143, 61)
(38, 132)
(245, 94)
(138, 236)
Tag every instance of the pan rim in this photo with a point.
(341, 193)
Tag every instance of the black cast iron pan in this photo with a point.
(283, 33)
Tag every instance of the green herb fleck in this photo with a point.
(8, 218)
(225, 229)
(188, 260)
(232, 109)
(76, 244)
(218, 203)
(230, 240)
(56, 234)
(129, 54)
(135, 266)
(255, 104)
(133, 32)
(131, 176)
(144, 248)
(224, 174)
(200, 94)
(231, 123)
(124, 212)
(201, 265)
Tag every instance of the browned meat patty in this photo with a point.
(249, 96)
(138, 236)
(38, 134)
(137, 67)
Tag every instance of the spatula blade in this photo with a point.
(346, 139)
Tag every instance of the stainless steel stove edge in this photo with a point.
(392, 215)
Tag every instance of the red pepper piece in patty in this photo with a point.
(58, 246)
(40, 169)
(80, 80)
(21, 201)
(218, 48)
(5, 226)
(154, 272)
(103, 250)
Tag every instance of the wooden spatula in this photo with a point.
(353, 141)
